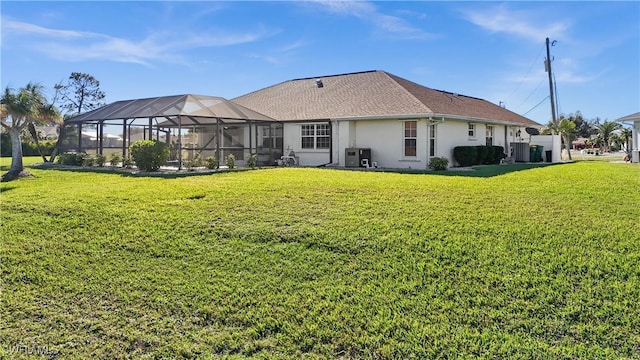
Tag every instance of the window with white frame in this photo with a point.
(316, 136)
(472, 131)
(410, 138)
(432, 141)
(489, 135)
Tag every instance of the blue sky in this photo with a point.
(490, 50)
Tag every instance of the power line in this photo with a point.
(555, 88)
(527, 74)
(538, 104)
(531, 93)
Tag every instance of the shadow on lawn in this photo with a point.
(164, 174)
(484, 171)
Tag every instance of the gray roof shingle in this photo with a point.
(368, 94)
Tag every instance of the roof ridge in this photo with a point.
(395, 78)
(336, 75)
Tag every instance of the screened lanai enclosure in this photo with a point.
(191, 125)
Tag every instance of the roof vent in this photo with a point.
(319, 83)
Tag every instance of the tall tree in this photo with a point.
(19, 109)
(81, 93)
(606, 129)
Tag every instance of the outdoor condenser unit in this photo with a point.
(354, 157)
(520, 151)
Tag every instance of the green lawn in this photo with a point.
(318, 263)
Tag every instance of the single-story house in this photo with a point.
(390, 121)
(634, 121)
(370, 118)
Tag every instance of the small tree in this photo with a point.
(566, 129)
(149, 155)
(606, 130)
(26, 106)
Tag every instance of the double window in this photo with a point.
(410, 138)
(316, 136)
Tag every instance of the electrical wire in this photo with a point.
(531, 93)
(526, 75)
(555, 89)
(538, 104)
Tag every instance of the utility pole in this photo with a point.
(547, 68)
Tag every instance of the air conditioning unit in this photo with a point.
(357, 157)
(520, 151)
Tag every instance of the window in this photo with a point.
(432, 141)
(489, 135)
(410, 137)
(472, 130)
(316, 136)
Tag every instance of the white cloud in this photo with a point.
(366, 11)
(71, 45)
(521, 23)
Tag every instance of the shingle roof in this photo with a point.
(368, 94)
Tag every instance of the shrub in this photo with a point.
(149, 155)
(127, 163)
(100, 159)
(498, 154)
(439, 163)
(482, 153)
(230, 160)
(115, 159)
(211, 162)
(194, 163)
(71, 158)
(88, 160)
(252, 162)
(465, 155)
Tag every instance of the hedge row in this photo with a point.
(477, 155)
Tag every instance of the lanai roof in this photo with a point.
(194, 109)
(369, 94)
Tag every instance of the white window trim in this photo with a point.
(315, 137)
(470, 127)
(404, 156)
(433, 129)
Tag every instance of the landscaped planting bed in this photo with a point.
(317, 263)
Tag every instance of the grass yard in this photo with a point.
(317, 263)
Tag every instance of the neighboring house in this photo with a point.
(403, 124)
(634, 121)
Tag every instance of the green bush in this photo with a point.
(127, 163)
(479, 154)
(149, 155)
(498, 154)
(89, 160)
(439, 163)
(230, 160)
(194, 163)
(252, 162)
(100, 159)
(115, 159)
(483, 152)
(465, 155)
(211, 162)
(71, 158)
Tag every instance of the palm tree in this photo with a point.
(26, 106)
(625, 135)
(566, 128)
(606, 129)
